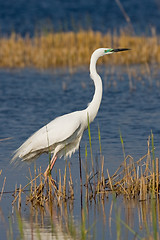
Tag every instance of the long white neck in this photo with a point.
(93, 107)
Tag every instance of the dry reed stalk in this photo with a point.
(15, 191)
(19, 199)
(148, 160)
(15, 196)
(71, 183)
(157, 175)
(41, 186)
(4, 139)
(35, 182)
(2, 187)
(153, 183)
(50, 189)
(103, 185)
(110, 182)
(142, 189)
(31, 185)
(60, 186)
(102, 173)
(64, 183)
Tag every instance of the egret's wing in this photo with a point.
(63, 127)
(58, 130)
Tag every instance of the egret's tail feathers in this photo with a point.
(22, 154)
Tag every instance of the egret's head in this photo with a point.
(111, 50)
(103, 51)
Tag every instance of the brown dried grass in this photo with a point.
(70, 49)
(132, 180)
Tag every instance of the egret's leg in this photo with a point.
(50, 166)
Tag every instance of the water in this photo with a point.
(30, 16)
(30, 99)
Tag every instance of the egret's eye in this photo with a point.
(108, 50)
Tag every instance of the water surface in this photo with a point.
(30, 99)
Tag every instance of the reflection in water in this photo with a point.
(48, 223)
(51, 222)
(34, 231)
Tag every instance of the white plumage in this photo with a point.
(56, 136)
(62, 135)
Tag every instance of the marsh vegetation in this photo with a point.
(73, 49)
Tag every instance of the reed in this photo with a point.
(71, 190)
(73, 49)
(4, 181)
(44, 190)
(133, 179)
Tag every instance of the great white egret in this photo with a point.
(62, 135)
